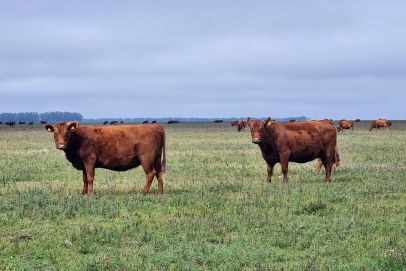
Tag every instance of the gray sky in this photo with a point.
(322, 59)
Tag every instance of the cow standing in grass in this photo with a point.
(345, 124)
(240, 124)
(298, 142)
(116, 148)
(380, 123)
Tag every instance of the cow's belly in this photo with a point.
(303, 157)
(118, 163)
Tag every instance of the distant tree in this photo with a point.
(37, 117)
(60, 116)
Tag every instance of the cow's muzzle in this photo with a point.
(60, 146)
(256, 140)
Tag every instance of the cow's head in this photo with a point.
(257, 129)
(62, 132)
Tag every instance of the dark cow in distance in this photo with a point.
(145, 122)
(21, 122)
(173, 121)
(154, 121)
(218, 121)
(117, 148)
(10, 123)
(240, 124)
(121, 122)
(113, 122)
(380, 123)
(105, 122)
(43, 122)
(298, 142)
(345, 124)
(31, 123)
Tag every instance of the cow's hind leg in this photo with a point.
(328, 166)
(317, 169)
(148, 166)
(159, 174)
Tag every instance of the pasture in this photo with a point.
(217, 211)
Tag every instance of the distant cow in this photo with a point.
(1, 122)
(31, 123)
(10, 123)
(105, 122)
(117, 148)
(21, 122)
(292, 120)
(121, 122)
(173, 121)
(113, 122)
(145, 122)
(357, 120)
(154, 121)
(240, 124)
(218, 121)
(345, 124)
(43, 122)
(380, 123)
(298, 142)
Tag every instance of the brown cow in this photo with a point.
(380, 123)
(298, 142)
(116, 148)
(345, 124)
(240, 125)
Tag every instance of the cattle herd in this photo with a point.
(124, 147)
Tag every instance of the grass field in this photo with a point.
(217, 213)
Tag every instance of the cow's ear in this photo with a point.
(72, 125)
(249, 121)
(49, 128)
(268, 121)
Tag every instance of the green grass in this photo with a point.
(217, 213)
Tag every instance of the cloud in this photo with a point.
(211, 58)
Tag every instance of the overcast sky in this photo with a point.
(322, 59)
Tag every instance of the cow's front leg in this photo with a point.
(284, 160)
(89, 168)
(270, 172)
(85, 184)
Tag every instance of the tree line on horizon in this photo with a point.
(37, 117)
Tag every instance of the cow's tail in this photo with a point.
(163, 164)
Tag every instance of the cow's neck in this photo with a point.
(267, 141)
(72, 149)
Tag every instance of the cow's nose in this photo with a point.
(256, 140)
(60, 146)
